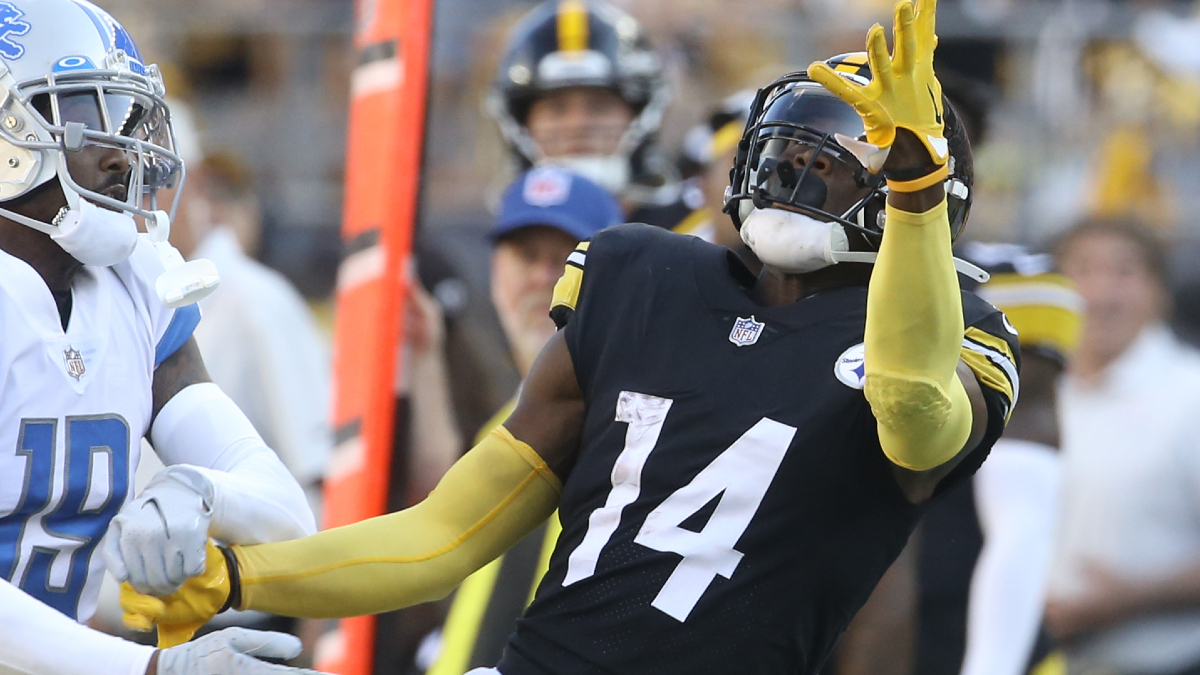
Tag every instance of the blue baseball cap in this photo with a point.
(553, 197)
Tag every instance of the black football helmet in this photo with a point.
(572, 43)
(796, 110)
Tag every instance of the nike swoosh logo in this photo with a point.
(937, 115)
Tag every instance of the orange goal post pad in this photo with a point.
(383, 163)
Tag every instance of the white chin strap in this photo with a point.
(100, 237)
(797, 243)
(610, 172)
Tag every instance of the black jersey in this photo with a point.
(730, 508)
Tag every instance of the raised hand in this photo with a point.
(903, 93)
(157, 540)
(180, 614)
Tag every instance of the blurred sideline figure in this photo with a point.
(544, 214)
(97, 354)
(258, 338)
(720, 135)
(581, 87)
(1125, 586)
(983, 557)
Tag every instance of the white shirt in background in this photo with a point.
(1131, 495)
(262, 347)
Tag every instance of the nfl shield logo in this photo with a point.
(74, 360)
(745, 331)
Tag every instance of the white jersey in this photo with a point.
(74, 406)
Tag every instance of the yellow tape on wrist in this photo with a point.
(918, 184)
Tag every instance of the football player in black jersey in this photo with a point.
(580, 86)
(735, 460)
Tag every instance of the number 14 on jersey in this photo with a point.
(740, 476)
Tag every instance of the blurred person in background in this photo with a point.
(983, 557)
(718, 136)
(258, 337)
(543, 215)
(580, 86)
(1124, 593)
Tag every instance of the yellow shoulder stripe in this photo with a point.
(566, 290)
(992, 361)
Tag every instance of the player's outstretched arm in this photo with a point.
(914, 327)
(497, 493)
(221, 481)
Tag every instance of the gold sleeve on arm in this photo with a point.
(914, 334)
(491, 498)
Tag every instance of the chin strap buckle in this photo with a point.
(182, 282)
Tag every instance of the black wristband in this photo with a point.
(910, 173)
(235, 581)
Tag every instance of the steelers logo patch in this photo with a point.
(850, 367)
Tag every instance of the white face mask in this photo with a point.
(793, 242)
(96, 236)
(610, 172)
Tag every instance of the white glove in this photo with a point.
(233, 651)
(156, 542)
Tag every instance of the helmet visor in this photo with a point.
(811, 106)
(114, 114)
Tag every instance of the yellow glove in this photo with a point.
(180, 614)
(903, 91)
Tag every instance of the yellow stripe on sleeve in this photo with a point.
(572, 26)
(566, 290)
(992, 361)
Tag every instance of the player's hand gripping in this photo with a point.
(180, 614)
(233, 651)
(903, 92)
(157, 540)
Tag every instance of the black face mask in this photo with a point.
(781, 179)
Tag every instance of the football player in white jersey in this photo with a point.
(96, 353)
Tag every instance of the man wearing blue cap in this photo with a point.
(543, 215)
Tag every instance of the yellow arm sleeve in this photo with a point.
(914, 335)
(495, 495)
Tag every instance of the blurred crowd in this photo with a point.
(1085, 117)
